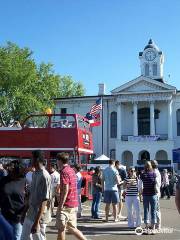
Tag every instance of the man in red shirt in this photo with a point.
(68, 202)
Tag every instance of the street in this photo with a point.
(97, 229)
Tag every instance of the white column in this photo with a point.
(119, 121)
(135, 120)
(170, 129)
(152, 126)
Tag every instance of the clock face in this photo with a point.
(150, 55)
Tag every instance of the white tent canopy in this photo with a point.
(102, 157)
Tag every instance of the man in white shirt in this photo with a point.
(158, 186)
(55, 180)
(77, 169)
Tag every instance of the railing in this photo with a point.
(140, 138)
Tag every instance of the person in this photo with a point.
(55, 181)
(38, 214)
(68, 201)
(123, 175)
(110, 180)
(96, 192)
(77, 169)
(165, 184)
(148, 178)
(177, 196)
(131, 184)
(29, 175)
(154, 164)
(3, 172)
(17, 124)
(12, 200)
(66, 124)
(6, 230)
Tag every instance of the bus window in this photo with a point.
(83, 124)
(63, 122)
(37, 122)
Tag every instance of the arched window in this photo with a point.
(155, 69)
(113, 154)
(144, 155)
(114, 125)
(178, 121)
(146, 69)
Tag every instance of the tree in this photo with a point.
(69, 88)
(26, 87)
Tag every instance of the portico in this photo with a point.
(136, 106)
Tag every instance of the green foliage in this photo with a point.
(26, 87)
(69, 88)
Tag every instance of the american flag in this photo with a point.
(96, 107)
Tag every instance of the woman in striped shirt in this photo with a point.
(132, 199)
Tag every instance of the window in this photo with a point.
(178, 121)
(63, 122)
(147, 70)
(37, 122)
(114, 125)
(113, 154)
(144, 121)
(154, 69)
(63, 111)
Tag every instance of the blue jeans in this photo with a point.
(17, 230)
(6, 230)
(95, 204)
(150, 201)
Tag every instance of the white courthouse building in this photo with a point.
(141, 118)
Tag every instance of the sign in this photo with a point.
(146, 138)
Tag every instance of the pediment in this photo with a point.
(143, 85)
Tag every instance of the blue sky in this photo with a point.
(95, 41)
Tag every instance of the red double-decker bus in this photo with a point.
(52, 133)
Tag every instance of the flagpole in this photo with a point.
(102, 126)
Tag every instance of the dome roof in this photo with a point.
(151, 44)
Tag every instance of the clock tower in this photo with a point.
(151, 61)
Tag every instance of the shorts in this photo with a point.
(65, 218)
(111, 197)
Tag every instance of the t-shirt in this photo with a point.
(96, 179)
(68, 177)
(158, 180)
(149, 181)
(29, 177)
(55, 179)
(132, 190)
(122, 173)
(3, 173)
(40, 191)
(12, 195)
(79, 180)
(110, 175)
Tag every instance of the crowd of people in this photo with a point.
(27, 200)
